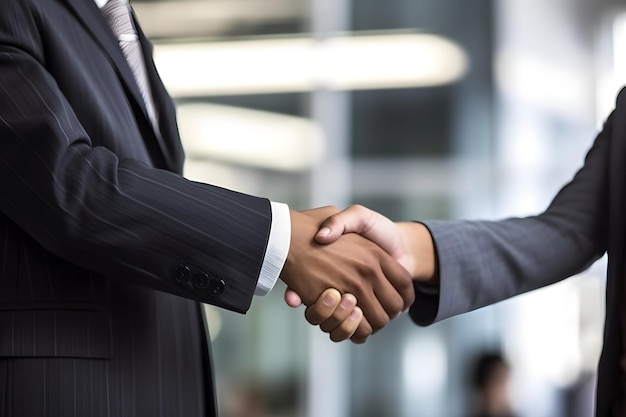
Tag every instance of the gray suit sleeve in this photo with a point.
(483, 262)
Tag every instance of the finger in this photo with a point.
(390, 298)
(348, 326)
(400, 279)
(385, 295)
(375, 306)
(292, 298)
(375, 295)
(367, 223)
(363, 331)
(341, 313)
(353, 219)
(324, 307)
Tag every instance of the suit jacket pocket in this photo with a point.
(55, 333)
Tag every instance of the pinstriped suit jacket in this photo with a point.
(483, 262)
(105, 248)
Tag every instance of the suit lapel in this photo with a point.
(168, 138)
(87, 12)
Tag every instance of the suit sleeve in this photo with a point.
(483, 262)
(119, 217)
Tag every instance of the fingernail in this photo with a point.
(324, 231)
(329, 300)
(347, 303)
(356, 313)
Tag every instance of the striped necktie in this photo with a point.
(118, 15)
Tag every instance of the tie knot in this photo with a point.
(118, 16)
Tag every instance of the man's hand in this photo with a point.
(409, 243)
(373, 226)
(352, 265)
(337, 315)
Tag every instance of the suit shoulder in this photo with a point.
(10, 9)
(19, 23)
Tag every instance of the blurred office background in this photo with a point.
(420, 109)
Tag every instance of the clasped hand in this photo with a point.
(356, 274)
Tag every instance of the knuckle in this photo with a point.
(379, 322)
(362, 332)
(327, 326)
(372, 263)
(404, 279)
(346, 328)
(358, 289)
(397, 305)
(337, 336)
(410, 296)
(407, 290)
(332, 219)
(312, 316)
(360, 336)
(367, 270)
(359, 208)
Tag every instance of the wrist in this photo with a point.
(296, 220)
(421, 250)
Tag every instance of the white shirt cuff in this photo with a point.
(277, 248)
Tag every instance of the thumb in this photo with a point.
(353, 219)
(292, 298)
(369, 224)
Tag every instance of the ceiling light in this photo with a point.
(304, 64)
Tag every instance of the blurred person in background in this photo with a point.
(106, 249)
(459, 266)
(489, 380)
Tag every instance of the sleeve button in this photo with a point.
(201, 281)
(217, 287)
(182, 274)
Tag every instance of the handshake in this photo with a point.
(354, 269)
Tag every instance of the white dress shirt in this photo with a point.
(278, 242)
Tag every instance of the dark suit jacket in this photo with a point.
(482, 262)
(105, 248)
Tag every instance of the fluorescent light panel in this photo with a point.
(304, 64)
